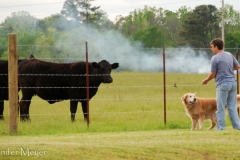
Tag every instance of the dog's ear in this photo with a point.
(184, 97)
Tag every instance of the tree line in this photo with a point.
(149, 26)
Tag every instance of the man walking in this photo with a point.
(223, 65)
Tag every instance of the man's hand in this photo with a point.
(205, 81)
(210, 76)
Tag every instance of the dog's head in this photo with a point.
(189, 98)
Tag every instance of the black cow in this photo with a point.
(4, 85)
(55, 82)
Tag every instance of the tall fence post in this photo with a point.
(87, 85)
(238, 107)
(164, 86)
(13, 83)
(237, 70)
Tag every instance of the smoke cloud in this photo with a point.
(114, 47)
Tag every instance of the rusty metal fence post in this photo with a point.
(164, 86)
(238, 107)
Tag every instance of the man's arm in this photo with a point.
(210, 76)
(237, 67)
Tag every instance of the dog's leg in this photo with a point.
(194, 123)
(201, 120)
(213, 122)
(212, 125)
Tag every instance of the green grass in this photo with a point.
(151, 145)
(126, 122)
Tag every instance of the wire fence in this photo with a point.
(132, 91)
(132, 88)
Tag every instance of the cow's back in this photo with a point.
(34, 66)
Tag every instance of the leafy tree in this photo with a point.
(81, 11)
(171, 27)
(201, 26)
(56, 21)
(148, 21)
(232, 19)
(19, 22)
(231, 27)
(24, 25)
(139, 19)
(151, 37)
(231, 39)
(3, 41)
(46, 45)
(183, 14)
(101, 21)
(119, 22)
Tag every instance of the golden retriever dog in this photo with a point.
(200, 109)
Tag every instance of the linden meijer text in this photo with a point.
(23, 152)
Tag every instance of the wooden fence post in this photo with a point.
(13, 83)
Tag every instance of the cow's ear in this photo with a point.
(115, 65)
(95, 65)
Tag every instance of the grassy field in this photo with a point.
(151, 145)
(126, 122)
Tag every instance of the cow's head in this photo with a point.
(104, 70)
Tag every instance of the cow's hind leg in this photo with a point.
(1, 109)
(24, 105)
(24, 110)
(73, 109)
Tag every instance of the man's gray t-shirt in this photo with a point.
(223, 64)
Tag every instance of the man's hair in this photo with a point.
(217, 42)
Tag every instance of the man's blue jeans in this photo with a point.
(226, 95)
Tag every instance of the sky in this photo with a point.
(44, 8)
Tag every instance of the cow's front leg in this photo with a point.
(73, 109)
